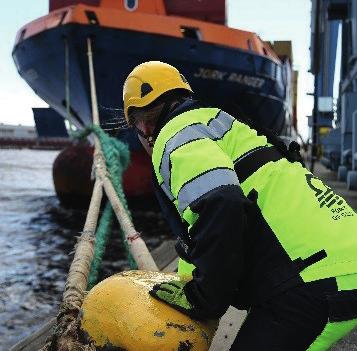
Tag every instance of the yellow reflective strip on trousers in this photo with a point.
(332, 332)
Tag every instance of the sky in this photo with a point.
(270, 19)
(16, 97)
(281, 20)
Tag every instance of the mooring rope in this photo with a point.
(101, 239)
(111, 153)
(112, 185)
(67, 85)
(116, 155)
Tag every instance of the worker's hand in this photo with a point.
(174, 295)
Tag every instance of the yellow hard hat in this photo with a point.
(148, 81)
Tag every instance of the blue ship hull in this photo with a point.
(242, 83)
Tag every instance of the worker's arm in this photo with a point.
(203, 183)
(218, 249)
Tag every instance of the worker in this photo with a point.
(263, 233)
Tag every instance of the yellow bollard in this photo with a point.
(119, 314)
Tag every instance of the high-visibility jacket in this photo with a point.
(252, 222)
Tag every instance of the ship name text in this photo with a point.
(206, 73)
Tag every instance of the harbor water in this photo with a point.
(37, 237)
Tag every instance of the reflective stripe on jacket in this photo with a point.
(195, 153)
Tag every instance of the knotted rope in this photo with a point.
(116, 155)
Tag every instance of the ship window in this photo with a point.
(92, 17)
(22, 35)
(131, 5)
(193, 33)
(249, 43)
(62, 17)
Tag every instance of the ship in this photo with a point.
(227, 68)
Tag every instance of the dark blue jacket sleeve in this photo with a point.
(218, 250)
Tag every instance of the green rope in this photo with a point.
(117, 159)
(101, 238)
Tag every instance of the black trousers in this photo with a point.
(290, 321)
